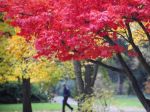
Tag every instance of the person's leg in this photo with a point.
(64, 103)
(68, 104)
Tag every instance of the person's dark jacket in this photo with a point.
(66, 92)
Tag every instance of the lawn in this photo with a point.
(118, 101)
(126, 101)
(35, 106)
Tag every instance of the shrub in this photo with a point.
(11, 92)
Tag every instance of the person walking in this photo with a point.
(66, 94)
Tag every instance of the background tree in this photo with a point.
(28, 69)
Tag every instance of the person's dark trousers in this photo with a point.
(65, 103)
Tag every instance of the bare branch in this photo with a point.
(107, 66)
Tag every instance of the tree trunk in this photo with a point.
(79, 82)
(94, 74)
(88, 79)
(120, 85)
(130, 90)
(134, 83)
(78, 74)
(85, 83)
(26, 95)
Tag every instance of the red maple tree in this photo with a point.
(72, 29)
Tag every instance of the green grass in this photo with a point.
(46, 106)
(35, 106)
(126, 101)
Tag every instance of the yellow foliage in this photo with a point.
(19, 48)
(19, 53)
(139, 36)
(36, 71)
(5, 65)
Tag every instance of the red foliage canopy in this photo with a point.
(74, 29)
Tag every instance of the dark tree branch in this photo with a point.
(137, 50)
(120, 35)
(109, 40)
(107, 66)
(130, 38)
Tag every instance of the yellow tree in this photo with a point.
(25, 67)
(5, 64)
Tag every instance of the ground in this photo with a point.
(118, 104)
